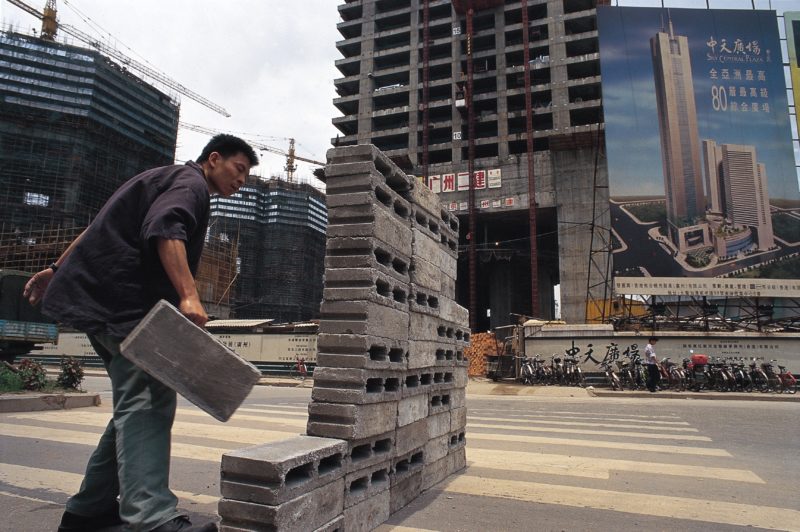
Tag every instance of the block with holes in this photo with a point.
(318, 506)
(366, 252)
(356, 386)
(361, 351)
(363, 317)
(365, 452)
(370, 221)
(432, 328)
(365, 284)
(441, 256)
(351, 422)
(439, 352)
(351, 161)
(275, 472)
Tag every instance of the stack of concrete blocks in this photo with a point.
(387, 418)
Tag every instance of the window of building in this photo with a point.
(37, 200)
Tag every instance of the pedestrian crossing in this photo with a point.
(568, 458)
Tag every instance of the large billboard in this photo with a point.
(702, 177)
(792, 21)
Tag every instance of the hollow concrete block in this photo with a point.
(191, 361)
(309, 511)
(411, 409)
(368, 514)
(351, 422)
(276, 472)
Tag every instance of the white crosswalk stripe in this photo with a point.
(567, 445)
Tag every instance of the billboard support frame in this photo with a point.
(701, 314)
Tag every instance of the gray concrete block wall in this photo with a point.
(388, 400)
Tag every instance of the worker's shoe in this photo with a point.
(182, 524)
(71, 522)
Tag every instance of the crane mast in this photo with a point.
(50, 26)
(290, 155)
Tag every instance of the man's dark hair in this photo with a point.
(227, 146)
(653, 339)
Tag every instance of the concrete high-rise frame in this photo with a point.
(381, 99)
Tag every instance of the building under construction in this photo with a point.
(497, 106)
(279, 230)
(75, 127)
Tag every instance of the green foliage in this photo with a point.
(71, 374)
(9, 381)
(786, 227)
(785, 269)
(699, 258)
(648, 212)
(32, 374)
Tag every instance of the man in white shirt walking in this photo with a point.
(653, 375)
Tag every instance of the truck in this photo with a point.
(23, 328)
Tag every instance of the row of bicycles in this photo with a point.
(563, 371)
(701, 373)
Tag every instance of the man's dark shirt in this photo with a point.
(114, 276)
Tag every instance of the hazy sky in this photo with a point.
(270, 63)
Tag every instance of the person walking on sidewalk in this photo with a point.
(653, 374)
(143, 246)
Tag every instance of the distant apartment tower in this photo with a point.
(74, 127)
(739, 182)
(279, 229)
(677, 121)
(381, 97)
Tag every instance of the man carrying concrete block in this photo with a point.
(143, 246)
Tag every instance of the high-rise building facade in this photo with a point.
(738, 195)
(279, 231)
(74, 127)
(746, 198)
(677, 121)
(411, 99)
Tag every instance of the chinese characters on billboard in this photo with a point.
(792, 21)
(701, 169)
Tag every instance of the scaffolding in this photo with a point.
(33, 249)
(216, 275)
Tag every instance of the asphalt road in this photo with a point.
(537, 462)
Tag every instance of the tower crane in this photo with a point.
(290, 155)
(50, 26)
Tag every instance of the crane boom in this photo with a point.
(291, 157)
(112, 52)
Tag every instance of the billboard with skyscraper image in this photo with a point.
(701, 169)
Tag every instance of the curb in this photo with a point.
(264, 381)
(709, 396)
(285, 383)
(47, 401)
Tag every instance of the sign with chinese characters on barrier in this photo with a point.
(702, 177)
(673, 286)
(627, 347)
(792, 21)
(459, 182)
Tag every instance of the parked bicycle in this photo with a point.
(788, 381)
(611, 377)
